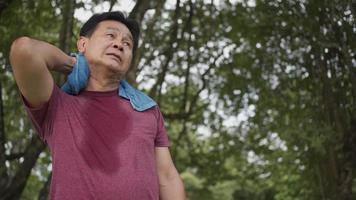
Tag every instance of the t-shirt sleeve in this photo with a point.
(161, 139)
(42, 117)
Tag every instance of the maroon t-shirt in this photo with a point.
(101, 147)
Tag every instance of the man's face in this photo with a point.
(109, 48)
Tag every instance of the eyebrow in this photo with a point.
(118, 30)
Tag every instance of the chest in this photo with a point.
(107, 123)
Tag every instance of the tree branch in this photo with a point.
(186, 114)
(189, 59)
(175, 116)
(112, 3)
(157, 87)
(14, 156)
(187, 74)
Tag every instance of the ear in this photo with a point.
(82, 44)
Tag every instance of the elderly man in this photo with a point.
(108, 140)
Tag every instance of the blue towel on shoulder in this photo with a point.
(78, 80)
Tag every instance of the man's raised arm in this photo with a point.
(31, 61)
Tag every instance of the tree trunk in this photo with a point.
(137, 13)
(66, 34)
(16, 185)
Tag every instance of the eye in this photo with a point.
(110, 35)
(127, 44)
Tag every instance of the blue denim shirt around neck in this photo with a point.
(77, 80)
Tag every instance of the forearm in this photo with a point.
(172, 188)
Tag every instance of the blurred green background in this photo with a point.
(259, 96)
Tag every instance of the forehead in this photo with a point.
(113, 26)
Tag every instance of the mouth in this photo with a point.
(115, 56)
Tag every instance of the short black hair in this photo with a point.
(89, 26)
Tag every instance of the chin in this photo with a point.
(114, 67)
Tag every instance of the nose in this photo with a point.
(118, 45)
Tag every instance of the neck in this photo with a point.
(102, 80)
(102, 83)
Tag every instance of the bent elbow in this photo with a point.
(19, 48)
(21, 43)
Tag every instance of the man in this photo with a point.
(101, 147)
